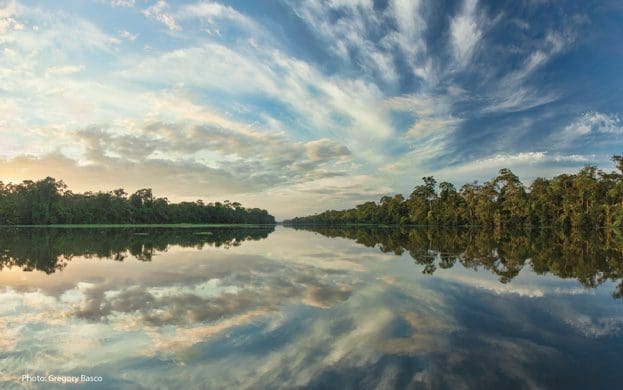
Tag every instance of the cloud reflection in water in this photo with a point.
(302, 310)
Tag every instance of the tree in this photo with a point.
(49, 201)
(588, 199)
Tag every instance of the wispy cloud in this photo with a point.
(592, 127)
(515, 91)
(528, 165)
(121, 3)
(125, 34)
(212, 13)
(63, 70)
(360, 36)
(591, 123)
(465, 32)
(159, 11)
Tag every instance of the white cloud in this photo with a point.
(527, 165)
(465, 32)
(592, 123)
(330, 105)
(122, 3)
(409, 38)
(516, 97)
(159, 12)
(359, 37)
(513, 92)
(553, 44)
(212, 13)
(7, 20)
(432, 115)
(425, 126)
(63, 70)
(127, 35)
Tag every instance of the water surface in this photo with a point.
(318, 308)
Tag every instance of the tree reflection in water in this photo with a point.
(590, 257)
(50, 249)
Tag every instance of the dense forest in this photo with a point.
(589, 198)
(592, 257)
(48, 201)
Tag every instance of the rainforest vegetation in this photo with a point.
(589, 198)
(49, 201)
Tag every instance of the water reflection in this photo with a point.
(300, 310)
(50, 249)
(590, 257)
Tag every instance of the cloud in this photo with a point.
(514, 91)
(361, 38)
(125, 34)
(175, 157)
(159, 12)
(342, 107)
(595, 327)
(432, 115)
(333, 191)
(219, 296)
(212, 13)
(428, 136)
(465, 32)
(33, 55)
(121, 3)
(520, 98)
(432, 125)
(323, 149)
(598, 129)
(591, 123)
(63, 70)
(8, 10)
(528, 165)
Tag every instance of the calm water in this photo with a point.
(331, 308)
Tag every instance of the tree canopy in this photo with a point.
(49, 201)
(589, 198)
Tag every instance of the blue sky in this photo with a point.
(299, 106)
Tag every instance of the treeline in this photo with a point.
(48, 201)
(589, 198)
(591, 257)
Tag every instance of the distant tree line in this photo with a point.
(48, 201)
(589, 198)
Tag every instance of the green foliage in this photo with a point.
(591, 198)
(49, 201)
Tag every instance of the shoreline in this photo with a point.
(160, 225)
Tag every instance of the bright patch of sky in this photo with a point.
(272, 103)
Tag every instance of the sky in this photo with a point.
(301, 106)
